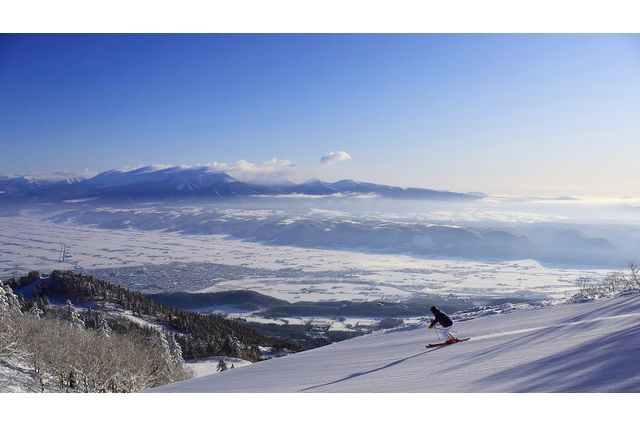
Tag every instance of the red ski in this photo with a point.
(442, 344)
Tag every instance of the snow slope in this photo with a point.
(580, 347)
(16, 376)
(209, 365)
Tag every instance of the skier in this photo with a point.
(443, 331)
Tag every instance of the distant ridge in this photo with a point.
(200, 181)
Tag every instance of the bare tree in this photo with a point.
(9, 311)
(634, 274)
(86, 360)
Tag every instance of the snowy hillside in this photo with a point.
(580, 347)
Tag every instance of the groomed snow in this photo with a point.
(585, 347)
(209, 365)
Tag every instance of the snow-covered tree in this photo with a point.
(9, 302)
(35, 311)
(4, 300)
(175, 350)
(163, 340)
(231, 346)
(72, 315)
(164, 363)
(9, 309)
(222, 366)
(103, 326)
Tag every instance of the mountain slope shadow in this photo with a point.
(603, 364)
(359, 374)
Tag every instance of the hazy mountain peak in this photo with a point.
(312, 181)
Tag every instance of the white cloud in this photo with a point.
(273, 171)
(347, 195)
(335, 156)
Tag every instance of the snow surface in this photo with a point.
(373, 276)
(17, 376)
(580, 347)
(209, 365)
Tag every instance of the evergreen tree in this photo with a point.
(9, 301)
(103, 326)
(164, 344)
(72, 315)
(35, 311)
(222, 366)
(175, 350)
(231, 346)
(9, 310)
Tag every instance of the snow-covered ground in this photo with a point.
(17, 376)
(29, 242)
(209, 365)
(579, 347)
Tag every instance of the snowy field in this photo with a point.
(29, 242)
(580, 347)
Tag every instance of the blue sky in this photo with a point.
(548, 115)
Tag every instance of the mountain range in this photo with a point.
(200, 181)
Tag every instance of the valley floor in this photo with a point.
(580, 347)
(152, 261)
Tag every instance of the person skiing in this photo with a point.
(444, 330)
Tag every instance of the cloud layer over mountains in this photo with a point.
(240, 178)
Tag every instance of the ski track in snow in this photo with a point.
(582, 347)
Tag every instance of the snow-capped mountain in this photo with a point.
(178, 181)
(35, 183)
(317, 187)
(178, 176)
(169, 181)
